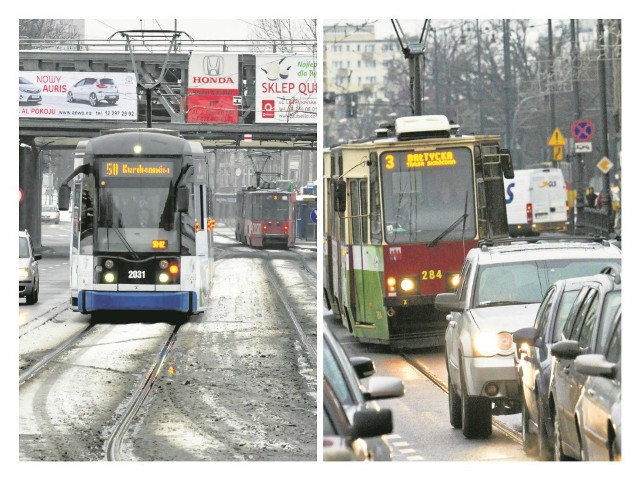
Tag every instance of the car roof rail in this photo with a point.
(491, 242)
(614, 271)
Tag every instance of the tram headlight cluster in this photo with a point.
(105, 272)
(452, 280)
(406, 285)
(169, 271)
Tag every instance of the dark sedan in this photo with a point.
(534, 364)
(586, 331)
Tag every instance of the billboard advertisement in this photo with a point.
(286, 89)
(213, 85)
(75, 95)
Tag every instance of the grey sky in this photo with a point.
(199, 29)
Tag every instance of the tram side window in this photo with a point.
(374, 205)
(364, 225)
(356, 229)
(87, 216)
(188, 235)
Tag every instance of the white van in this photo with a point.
(536, 201)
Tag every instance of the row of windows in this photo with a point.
(346, 80)
(359, 63)
(366, 47)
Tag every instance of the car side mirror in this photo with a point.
(372, 423)
(566, 349)
(363, 366)
(37, 256)
(448, 302)
(525, 335)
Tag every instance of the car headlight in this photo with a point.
(23, 273)
(486, 344)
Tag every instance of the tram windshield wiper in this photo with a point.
(448, 230)
(124, 241)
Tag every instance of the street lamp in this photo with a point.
(514, 127)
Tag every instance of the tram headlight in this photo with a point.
(164, 264)
(452, 281)
(489, 343)
(109, 277)
(391, 284)
(173, 269)
(407, 285)
(163, 278)
(108, 264)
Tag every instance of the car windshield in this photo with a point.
(24, 247)
(106, 81)
(49, 208)
(527, 282)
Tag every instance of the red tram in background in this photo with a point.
(265, 217)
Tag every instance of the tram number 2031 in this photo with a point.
(137, 274)
(431, 274)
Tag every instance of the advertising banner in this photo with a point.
(286, 89)
(85, 95)
(213, 84)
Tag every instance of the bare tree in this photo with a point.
(43, 28)
(285, 34)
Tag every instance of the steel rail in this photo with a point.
(501, 426)
(122, 425)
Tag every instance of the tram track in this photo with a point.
(122, 425)
(55, 353)
(502, 427)
(308, 343)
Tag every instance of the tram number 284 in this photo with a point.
(431, 274)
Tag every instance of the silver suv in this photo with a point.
(501, 287)
(28, 273)
(94, 90)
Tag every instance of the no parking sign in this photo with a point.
(582, 130)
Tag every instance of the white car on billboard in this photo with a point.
(29, 92)
(94, 90)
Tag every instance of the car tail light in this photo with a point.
(100, 85)
(529, 213)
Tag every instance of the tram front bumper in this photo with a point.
(91, 301)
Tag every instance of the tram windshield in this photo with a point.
(428, 196)
(137, 213)
(271, 206)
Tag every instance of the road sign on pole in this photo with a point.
(604, 165)
(558, 153)
(558, 142)
(582, 130)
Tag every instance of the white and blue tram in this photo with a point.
(141, 238)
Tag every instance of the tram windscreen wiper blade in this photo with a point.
(448, 230)
(124, 241)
